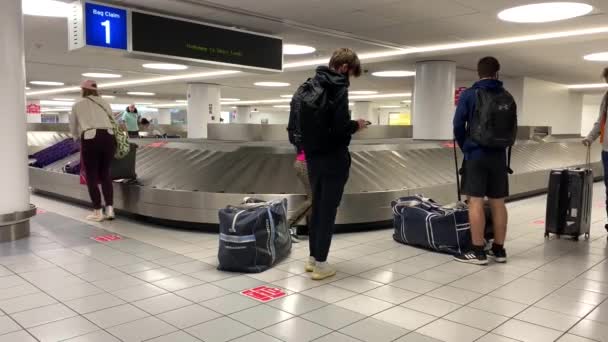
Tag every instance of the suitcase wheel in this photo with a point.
(586, 236)
(575, 238)
(546, 235)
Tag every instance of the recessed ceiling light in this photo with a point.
(597, 57)
(62, 99)
(229, 99)
(545, 12)
(271, 84)
(165, 66)
(181, 101)
(56, 103)
(27, 88)
(394, 73)
(282, 106)
(406, 101)
(47, 83)
(294, 49)
(286, 96)
(387, 107)
(379, 96)
(46, 8)
(100, 75)
(141, 93)
(588, 86)
(363, 92)
(108, 96)
(143, 103)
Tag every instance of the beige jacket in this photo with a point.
(597, 129)
(88, 115)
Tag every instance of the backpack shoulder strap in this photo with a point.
(112, 121)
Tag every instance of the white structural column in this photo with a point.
(14, 181)
(433, 104)
(164, 116)
(64, 117)
(364, 110)
(33, 117)
(242, 114)
(203, 108)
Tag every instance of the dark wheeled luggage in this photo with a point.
(55, 152)
(253, 236)
(569, 201)
(125, 168)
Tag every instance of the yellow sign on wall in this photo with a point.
(399, 119)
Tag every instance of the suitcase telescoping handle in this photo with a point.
(457, 171)
(588, 157)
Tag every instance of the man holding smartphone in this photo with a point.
(326, 134)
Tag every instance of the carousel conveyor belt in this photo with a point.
(187, 181)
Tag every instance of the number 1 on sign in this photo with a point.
(106, 24)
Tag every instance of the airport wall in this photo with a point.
(550, 104)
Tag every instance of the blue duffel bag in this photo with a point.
(421, 222)
(254, 236)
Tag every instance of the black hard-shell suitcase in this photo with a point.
(125, 168)
(569, 202)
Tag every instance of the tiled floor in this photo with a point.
(160, 284)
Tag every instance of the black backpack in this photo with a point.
(307, 128)
(494, 122)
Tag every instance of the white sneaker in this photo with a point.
(310, 264)
(322, 271)
(110, 212)
(96, 216)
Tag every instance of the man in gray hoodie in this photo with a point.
(599, 130)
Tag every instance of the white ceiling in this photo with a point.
(365, 25)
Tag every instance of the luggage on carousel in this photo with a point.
(72, 167)
(423, 223)
(124, 168)
(54, 153)
(254, 236)
(569, 201)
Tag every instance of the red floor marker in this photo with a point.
(539, 222)
(107, 238)
(157, 144)
(449, 144)
(40, 211)
(264, 293)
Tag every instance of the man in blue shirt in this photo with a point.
(485, 171)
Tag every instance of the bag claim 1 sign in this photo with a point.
(134, 33)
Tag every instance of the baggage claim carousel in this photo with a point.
(184, 182)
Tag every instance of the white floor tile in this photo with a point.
(445, 330)
(141, 330)
(63, 330)
(527, 332)
(116, 315)
(43, 315)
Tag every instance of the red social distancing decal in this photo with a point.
(539, 222)
(264, 293)
(107, 238)
(40, 211)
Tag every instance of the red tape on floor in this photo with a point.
(264, 293)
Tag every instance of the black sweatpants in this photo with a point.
(328, 175)
(97, 156)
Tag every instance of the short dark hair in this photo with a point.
(89, 92)
(144, 121)
(488, 67)
(605, 72)
(346, 56)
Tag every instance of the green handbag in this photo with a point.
(120, 135)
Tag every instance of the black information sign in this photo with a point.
(165, 36)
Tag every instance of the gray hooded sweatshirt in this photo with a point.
(595, 131)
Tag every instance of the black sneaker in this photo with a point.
(472, 257)
(499, 255)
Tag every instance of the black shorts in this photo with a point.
(486, 177)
